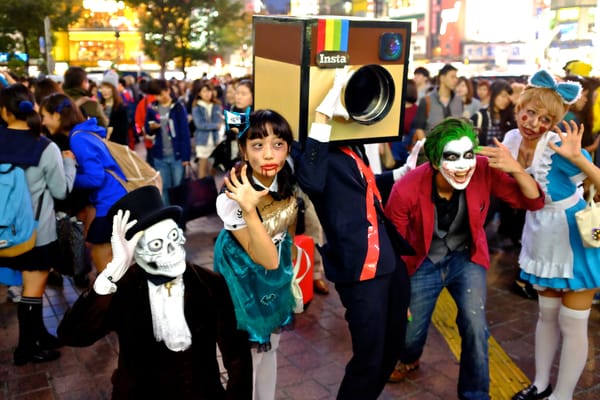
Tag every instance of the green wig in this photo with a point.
(446, 131)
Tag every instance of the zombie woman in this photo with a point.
(553, 258)
(254, 250)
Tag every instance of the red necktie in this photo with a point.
(372, 195)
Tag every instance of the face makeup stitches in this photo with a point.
(458, 162)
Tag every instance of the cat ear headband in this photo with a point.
(568, 91)
(237, 120)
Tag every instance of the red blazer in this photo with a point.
(411, 208)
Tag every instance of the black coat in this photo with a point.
(338, 191)
(119, 121)
(147, 369)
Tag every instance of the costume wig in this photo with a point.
(446, 131)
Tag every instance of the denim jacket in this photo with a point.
(179, 131)
(207, 125)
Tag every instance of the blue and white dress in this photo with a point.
(552, 253)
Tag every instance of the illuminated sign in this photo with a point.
(105, 6)
(556, 4)
(449, 15)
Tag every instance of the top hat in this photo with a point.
(146, 205)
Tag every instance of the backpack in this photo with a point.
(137, 172)
(17, 221)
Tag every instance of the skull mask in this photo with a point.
(160, 250)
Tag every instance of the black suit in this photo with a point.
(147, 369)
(376, 308)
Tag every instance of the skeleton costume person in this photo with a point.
(168, 314)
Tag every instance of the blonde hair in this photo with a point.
(543, 98)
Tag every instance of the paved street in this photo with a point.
(312, 357)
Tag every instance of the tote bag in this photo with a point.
(588, 221)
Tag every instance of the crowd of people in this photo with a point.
(479, 150)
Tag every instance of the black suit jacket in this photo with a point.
(338, 191)
(147, 369)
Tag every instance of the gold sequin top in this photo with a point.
(278, 216)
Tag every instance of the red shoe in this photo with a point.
(402, 370)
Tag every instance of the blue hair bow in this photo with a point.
(238, 120)
(568, 91)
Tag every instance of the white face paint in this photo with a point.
(458, 162)
(160, 251)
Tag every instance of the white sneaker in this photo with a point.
(14, 293)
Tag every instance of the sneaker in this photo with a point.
(14, 293)
(531, 393)
(402, 370)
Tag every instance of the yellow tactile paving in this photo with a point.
(505, 377)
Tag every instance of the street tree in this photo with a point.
(22, 23)
(186, 30)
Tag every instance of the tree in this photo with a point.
(186, 30)
(22, 22)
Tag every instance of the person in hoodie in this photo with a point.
(77, 85)
(61, 116)
(167, 124)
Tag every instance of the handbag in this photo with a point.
(297, 278)
(71, 243)
(588, 221)
(197, 197)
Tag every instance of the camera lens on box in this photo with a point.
(390, 47)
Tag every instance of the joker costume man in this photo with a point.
(440, 208)
(168, 314)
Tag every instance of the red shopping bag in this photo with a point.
(306, 284)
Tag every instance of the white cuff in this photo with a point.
(400, 172)
(320, 132)
(103, 285)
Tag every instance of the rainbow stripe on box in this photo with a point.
(332, 35)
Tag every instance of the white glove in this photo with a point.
(332, 103)
(122, 250)
(411, 160)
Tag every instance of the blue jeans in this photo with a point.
(466, 282)
(171, 172)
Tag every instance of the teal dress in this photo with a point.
(262, 298)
